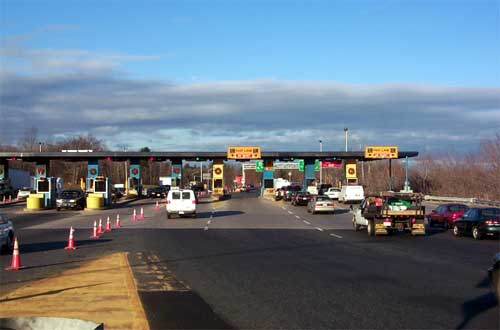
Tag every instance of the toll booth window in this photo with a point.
(100, 186)
(176, 195)
(268, 183)
(218, 183)
(43, 186)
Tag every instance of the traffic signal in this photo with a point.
(259, 166)
(301, 165)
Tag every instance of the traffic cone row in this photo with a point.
(108, 225)
(157, 206)
(117, 224)
(134, 216)
(142, 214)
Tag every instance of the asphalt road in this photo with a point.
(254, 263)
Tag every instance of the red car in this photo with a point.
(446, 214)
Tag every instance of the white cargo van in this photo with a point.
(351, 194)
(181, 202)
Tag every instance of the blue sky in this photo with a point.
(339, 61)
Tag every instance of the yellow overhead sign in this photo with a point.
(381, 152)
(243, 152)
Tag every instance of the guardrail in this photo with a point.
(461, 200)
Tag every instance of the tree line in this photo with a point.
(475, 174)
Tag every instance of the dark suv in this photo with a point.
(71, 199)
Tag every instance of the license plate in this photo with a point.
(181, 212)
(400, 226)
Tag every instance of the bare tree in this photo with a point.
(29, 142)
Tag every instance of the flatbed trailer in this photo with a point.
(390, 213)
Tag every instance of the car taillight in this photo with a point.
(491, 222)
(168, 202)
(329, 204)
(319, 204)
(454, 215)
(193, 201)
(413, 220)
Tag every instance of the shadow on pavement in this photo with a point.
(220, 214)
(57, 245)
(476, 306)
(51, 292)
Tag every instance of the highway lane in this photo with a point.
(259, 265)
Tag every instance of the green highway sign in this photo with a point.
(301, 165)
(317, 165)
(259, 166)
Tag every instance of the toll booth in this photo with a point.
(103, 187)
(134, 186)
(46, 187)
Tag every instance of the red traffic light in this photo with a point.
(151, 159)
(108, 158)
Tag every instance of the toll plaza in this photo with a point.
(98, 186)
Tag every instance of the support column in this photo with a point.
(268, 177)
(390, 174)
(351, 176)
(92, 173)
(134, 176)
(218, 177)
(176, 173)
(309, 173)
(4, 170)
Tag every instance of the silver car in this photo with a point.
(321, 203)
(6, 234)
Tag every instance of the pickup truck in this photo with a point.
(388, 212)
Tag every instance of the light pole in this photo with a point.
(320, 163)
(40, 146)
(345, 131)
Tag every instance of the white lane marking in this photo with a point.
(306, 222)
(284, 208)
(290, 212)
(320, 229)
(334, 235)
(297, 217)
(206, 228)
(209, 222)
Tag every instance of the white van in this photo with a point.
(351, 194)
(181, 202)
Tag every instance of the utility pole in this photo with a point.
(345, 131)
(320, 163)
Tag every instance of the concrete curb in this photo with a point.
(48, 323)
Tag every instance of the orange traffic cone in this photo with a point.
(71, 240)
(157, 206)
(10, 199)
(108, 225)
(142, 214)
(134, 216)
(3, 200)
(117, 224)
(94, 234)
(16, 260)
(99, 229)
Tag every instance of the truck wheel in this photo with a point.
(476, 233)
(371, 228)
(355, 226)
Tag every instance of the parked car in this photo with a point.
(6, 235)
(333, 193)
(301, 198)
(494, 275)
(71, 199)
(446, 214)
(278, 194)
(157, 192)
(181, 202)
(479, 222)
(24, 193)
(323, 188)
(289, 190)
(320, 203)
(351, 194)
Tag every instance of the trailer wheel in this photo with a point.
(371, 228)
